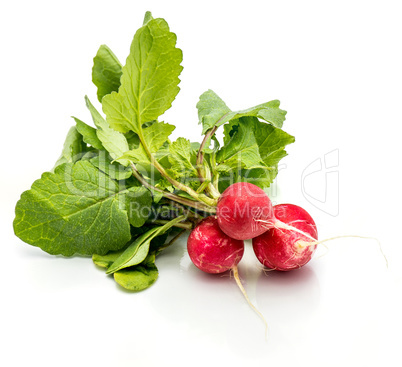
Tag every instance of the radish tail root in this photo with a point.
(316, 242)
(312, 241)
(240, 285)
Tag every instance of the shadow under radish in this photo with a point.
(288, 300)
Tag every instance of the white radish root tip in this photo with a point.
(313, 242)
(240, 285)
(316, 242)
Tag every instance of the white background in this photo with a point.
(335, 66)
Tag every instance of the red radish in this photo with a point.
(211, 250)
(290, 245)
(244, 211)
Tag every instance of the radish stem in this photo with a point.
(169, 195)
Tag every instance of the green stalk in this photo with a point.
(214, 173)
(184, 225)
(211, 189)
(202, 168)
(199, 197)
(168, 195)
(203, 186)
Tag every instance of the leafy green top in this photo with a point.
(122, 186)
(212, 111)
(106, 72)
(76, 210)
(150, 79)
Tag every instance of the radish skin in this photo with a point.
(292, 241)
(211, 250)
(243, 211)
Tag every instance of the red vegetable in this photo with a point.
(244, 211)
(211, 250)
(286, 248)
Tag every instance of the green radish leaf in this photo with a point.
(138, 155)
(87, 156)
(162, 184)
(104, 261)
(180, 156)
(272, 113)
(73, 148)
(113, 141)
(75, 210)
(155, 136)
(212, 111)
(271, 142)
(182, 159)
(132, 139)
(137, 251)
(113, 170)
(150, 79)
(147, 17)
(139, 206)
(240, 149)
(260, 177)
(88, 134)
(106, 72)
(149, 172)
(139, 277)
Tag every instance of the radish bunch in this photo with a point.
(122, 187)
(284, 236)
